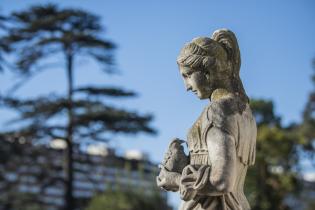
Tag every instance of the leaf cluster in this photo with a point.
(43, 31)
(274, 175)
(43, 118)
(307, 128)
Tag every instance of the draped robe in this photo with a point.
(221, 146)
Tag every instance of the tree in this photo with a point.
(280, 149)
(307, 129)
(36, 36)
(3, 46)
(308, 125)
(273, 177)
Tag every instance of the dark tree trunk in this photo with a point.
(69, 201)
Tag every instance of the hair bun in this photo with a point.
(229, 42)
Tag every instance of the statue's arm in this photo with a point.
(217, 178)
(168, 180)
(222, 153)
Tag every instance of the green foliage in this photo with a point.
(264, 112)
(127, 200)
(273, 176)
(308, 126)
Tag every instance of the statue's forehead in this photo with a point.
(185, 69)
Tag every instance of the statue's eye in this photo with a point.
(189, 74)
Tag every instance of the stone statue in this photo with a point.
(222, 141)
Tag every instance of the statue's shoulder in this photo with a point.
(225, 107)
(224, 114)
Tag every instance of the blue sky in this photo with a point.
(276, 39)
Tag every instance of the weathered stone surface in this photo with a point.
(222, 141)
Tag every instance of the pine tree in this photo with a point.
(38, 34)
(3, 46)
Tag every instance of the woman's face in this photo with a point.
(196, 81)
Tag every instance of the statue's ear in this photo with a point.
(228, 41)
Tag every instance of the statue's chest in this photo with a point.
(196, 139)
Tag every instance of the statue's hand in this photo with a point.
(168, 180)
(188, 180)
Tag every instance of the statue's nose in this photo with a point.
(188, 86)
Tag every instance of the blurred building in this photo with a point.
(96, 169)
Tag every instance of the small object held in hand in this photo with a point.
(175, 158)
(173, 164)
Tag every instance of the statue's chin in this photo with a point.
(202, 97)
(203, 94)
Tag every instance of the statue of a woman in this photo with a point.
(222, 141)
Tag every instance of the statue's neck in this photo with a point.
(219, 94)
